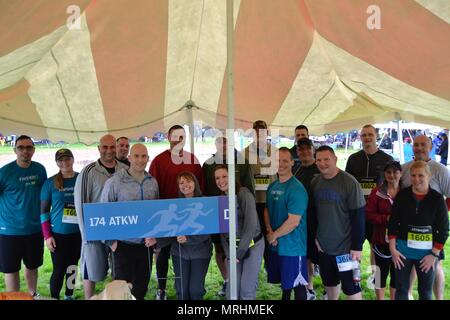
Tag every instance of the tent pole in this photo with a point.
(346, 144)
(230, 151)
(400, 141)
(191, 127)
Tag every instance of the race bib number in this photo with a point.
(69, 214)
(261, 182)
(420, 237)
(345, 263)
(367, 185)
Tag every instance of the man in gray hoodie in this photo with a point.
(88, 189)
(132, 257)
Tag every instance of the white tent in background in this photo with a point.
(73, 70)
(131, 68)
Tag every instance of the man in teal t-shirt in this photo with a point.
(285, 220)
(20, 227)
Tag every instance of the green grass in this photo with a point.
(214, 282)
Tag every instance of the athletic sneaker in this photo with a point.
(371, 282)
(69, 298)
(316, 272)
(223, 291)
(161, 295)
(310, 294)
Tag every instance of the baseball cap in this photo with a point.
(63, 153)
(304, 142)
(259, 124)
(394, 165)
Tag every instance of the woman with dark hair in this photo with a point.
(417, 229)
(190, 254)
(59, 224)
(378, 212)
(250, 246)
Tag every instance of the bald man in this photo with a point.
(132, 257)
(440, 181)
(88, 189)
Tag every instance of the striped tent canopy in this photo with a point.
(73, 70)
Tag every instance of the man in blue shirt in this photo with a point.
(285, 221)
(20, 227)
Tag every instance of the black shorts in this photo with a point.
(331, 276)
(312, 253)
(13, 249)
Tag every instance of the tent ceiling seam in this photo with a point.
(319, 101)
(91, 131)
(387, 95)
(197, 49)
(63, 94)
(19, 67)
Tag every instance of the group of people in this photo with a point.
(296, 211)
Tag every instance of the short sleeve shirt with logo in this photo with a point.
(283, 198)
(62, 214)
(334, 199)
(20, 190)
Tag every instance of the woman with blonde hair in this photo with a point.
(417, 230)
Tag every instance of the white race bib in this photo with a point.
(261, 182)
(420, 237)
(367, 184)
(345, 263)
(69, 214)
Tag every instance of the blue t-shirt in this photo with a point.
(58, 201)
(283, 198)
(19, 198)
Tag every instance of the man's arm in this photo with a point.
(290, 224)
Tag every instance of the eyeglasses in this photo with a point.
(22, 148)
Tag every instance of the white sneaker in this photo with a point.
(316, 272)
(371, 282)
(161, 295)
(310, 294)
(223, 291)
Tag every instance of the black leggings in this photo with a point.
(383, 261)
(65, 261)
(162, 266)
(299, 293)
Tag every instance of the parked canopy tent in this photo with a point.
(129, 67)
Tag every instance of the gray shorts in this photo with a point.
(94, 260)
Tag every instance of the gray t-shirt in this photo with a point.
(333, 200)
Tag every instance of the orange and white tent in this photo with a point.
(74, 69)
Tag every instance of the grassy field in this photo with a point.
(214, 281)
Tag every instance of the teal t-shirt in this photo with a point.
(58, 201)
(283, 198)
(19, 198)
(410, 253)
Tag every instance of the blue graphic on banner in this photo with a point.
(156, 218)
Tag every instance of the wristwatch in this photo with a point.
(434, 255)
